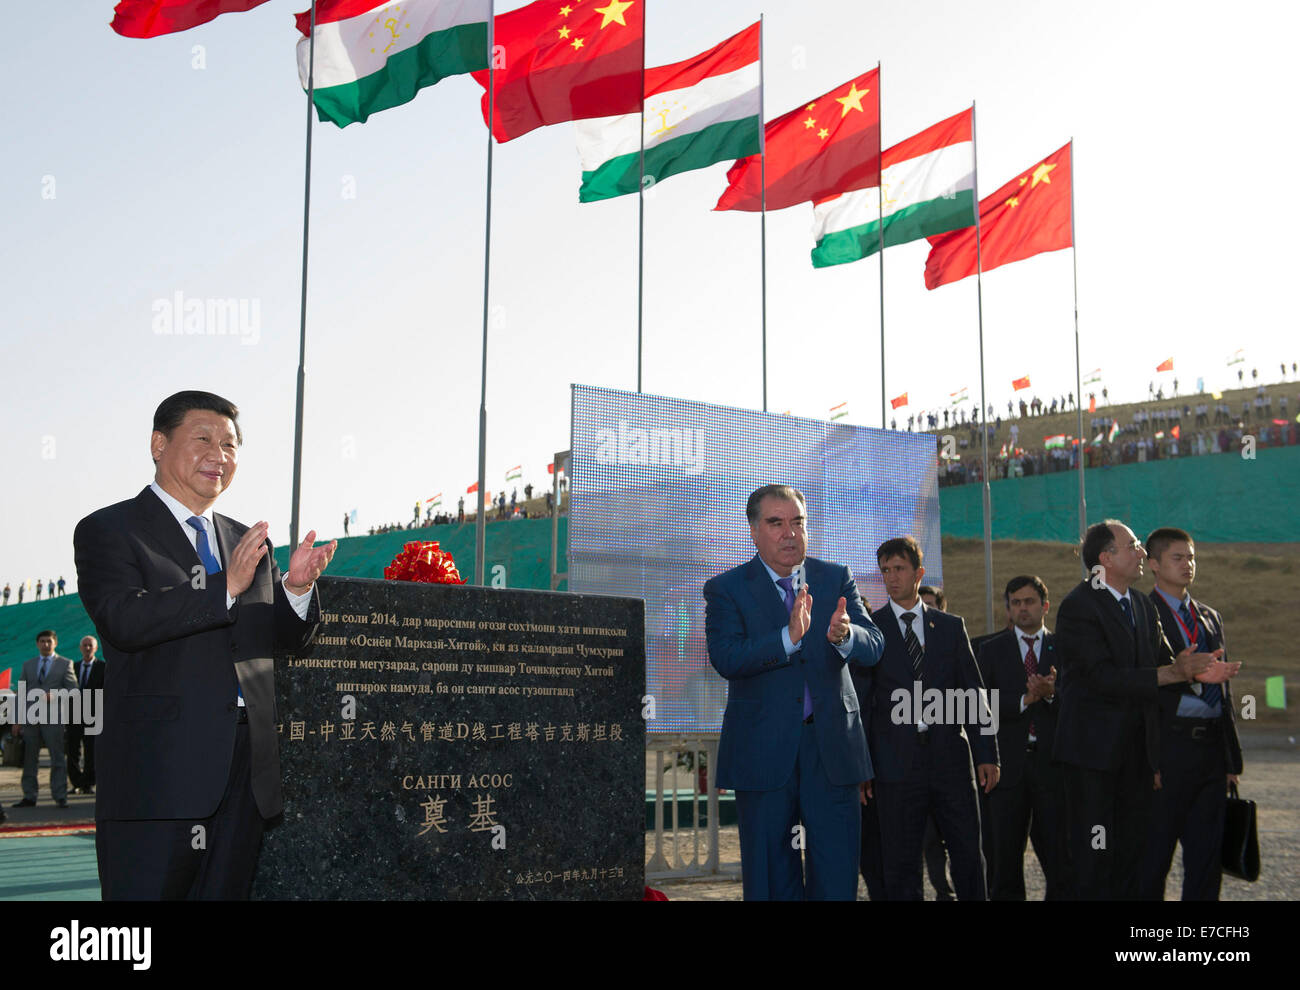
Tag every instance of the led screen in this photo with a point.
(657, 507)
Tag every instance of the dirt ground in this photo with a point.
(1271, 779)
(1247, 583)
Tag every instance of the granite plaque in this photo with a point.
(461, 743)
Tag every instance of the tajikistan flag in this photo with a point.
(929, 186)
(697, 112)
(371, 56)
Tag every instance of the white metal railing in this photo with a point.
(701, 841)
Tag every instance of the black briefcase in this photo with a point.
(1240, 839)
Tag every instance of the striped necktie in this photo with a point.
(914, 648)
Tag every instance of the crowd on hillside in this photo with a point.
(499, 508)
(52, 587)
(1154, 432)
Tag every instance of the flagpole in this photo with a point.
(640, 221)
(880, 199)
(980, 418)
(480, 521)
(1074, 261)
(302, 308)
(762, 161)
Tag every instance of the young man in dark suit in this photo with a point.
(1113, 659)
(191, 608)
(1019, 668)
(1200, 753)
(781, 628)
(924, 767)
(45, 673)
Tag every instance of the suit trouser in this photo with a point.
(871, 862)
(1188, 808)
(80, 749)
(209, 858)
(1107, 814)
(1033, 808)
(770, 842)
(51, 737)
(939, 786)
(935, 854)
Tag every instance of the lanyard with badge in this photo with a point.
(1194, 632)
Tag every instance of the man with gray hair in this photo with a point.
(89, 672)
(1113, 660)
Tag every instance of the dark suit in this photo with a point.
(81, 747)
(786, 770)
(176, 752)
(1196, 755)
(1029, 801)
(932, 773)
(58, 676)
(1107, 735)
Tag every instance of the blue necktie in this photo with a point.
(1210, 693)
(45, 669)
(209, 560)
(206, 555)
(1127, 606)
(787, 590)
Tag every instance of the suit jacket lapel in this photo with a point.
(766, 593)
(887, 622)
(226, 541)
(163, 527)
(1142, 636)
(1210, 628)
(1112, 608)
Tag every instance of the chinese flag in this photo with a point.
(565, 60)
(1166, 365)
(1176, 432)
(1092, 404)
(900, 401)
(1027, 216)
(820, 149)
(1017, 383)
(150, 18)
(472, 489)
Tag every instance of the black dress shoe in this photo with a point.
(24, 803)
(62, 802)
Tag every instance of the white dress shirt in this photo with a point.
(299, 603)
(918, 627)
(789, 644)
(1037, 640)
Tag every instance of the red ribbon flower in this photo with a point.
(423, 562)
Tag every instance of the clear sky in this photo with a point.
(135, 170)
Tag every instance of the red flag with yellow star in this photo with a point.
(1027, 216)
(558, 60)
(821, 149)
